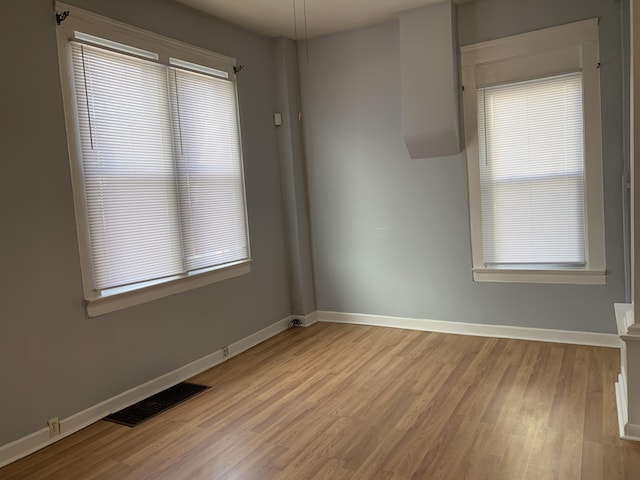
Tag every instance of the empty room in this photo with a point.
(304, 239)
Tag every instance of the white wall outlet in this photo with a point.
(225, 351)
(54, 427)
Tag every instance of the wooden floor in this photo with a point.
(341, 401)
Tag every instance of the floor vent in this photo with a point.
(155, 404)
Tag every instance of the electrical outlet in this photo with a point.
(54, 427)
(225, 351)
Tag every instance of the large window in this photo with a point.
(156, 161)
(533, 149)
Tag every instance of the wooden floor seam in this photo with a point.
(337, 401)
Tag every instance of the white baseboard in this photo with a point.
(621, 404)
(40, 439)
(310, 319)
(476, 329)
(306, 320)
(628, 431)
(255, 338)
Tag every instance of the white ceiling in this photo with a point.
(276, 18)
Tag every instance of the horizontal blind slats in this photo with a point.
(532, 171)
(210, 186)
(128, 167)
(164, 190)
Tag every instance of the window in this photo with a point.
(532, 172)
(156, 162)
(532, 129)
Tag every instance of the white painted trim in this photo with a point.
(621, 388)
(165, 47)
(476, 329)
(624, 317)
(627, 328)
(111, 303)
(621, 404)
(310, 319)
(40, 439)
(574, 277)
(167, 51)
(627, 431)
(531, 43)
(255, 338)
(522, 57)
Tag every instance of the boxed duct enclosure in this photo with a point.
(430, 81)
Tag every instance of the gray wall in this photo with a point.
(53, 360)
(391, 234)
(294, 178)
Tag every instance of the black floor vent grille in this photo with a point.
(150, 407)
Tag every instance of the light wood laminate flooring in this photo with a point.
(354, 402)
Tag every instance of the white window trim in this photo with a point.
(110, 303)
(103, 27)
(99, 303)
(542, 52)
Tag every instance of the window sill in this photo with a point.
(116, 301)
(560, 276)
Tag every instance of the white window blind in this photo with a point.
(161, 165)
(210, 186)
(531, 154)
